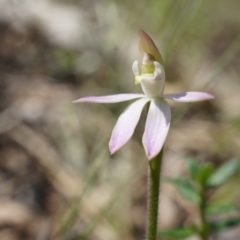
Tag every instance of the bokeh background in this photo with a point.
(57, 178)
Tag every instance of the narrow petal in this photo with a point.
(189, 96)
(156, 129)
(126, 124)
(110, 98)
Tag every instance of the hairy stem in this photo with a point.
(153, 195)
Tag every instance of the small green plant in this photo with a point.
(202, 181)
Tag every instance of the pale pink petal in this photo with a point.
(126, 124)
(189, 96)
(156, 129)
(110, 98)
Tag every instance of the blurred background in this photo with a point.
(57, 178)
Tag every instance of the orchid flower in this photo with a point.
(151, 78)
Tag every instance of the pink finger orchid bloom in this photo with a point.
(151, 78)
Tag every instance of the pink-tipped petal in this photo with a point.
(157, 126)
(189, 96)
(110, 98)
(126, 124)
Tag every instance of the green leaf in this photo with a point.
(187, 189)
(205, 173)
(199, 173)
(220, 208)
(226, 192)
(223, 224)
(193, 167)
(177, 233)
(222, 174)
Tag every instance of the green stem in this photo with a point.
(153, 195)
(204, 231)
